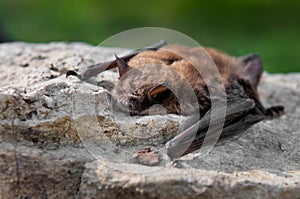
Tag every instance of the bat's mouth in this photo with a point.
(138, 109)
(123, 105)
(135, 112)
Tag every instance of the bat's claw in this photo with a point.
(71, 73)
(274, 112)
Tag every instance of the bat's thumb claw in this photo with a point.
(116, 56)
(71, 73)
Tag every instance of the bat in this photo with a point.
(154, 76)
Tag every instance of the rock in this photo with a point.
(33, 172)
(101, 182)
(63, 138)
(146, 157)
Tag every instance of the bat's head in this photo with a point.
(144, 90)
(158, 82)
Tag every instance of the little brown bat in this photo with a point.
(152, 82)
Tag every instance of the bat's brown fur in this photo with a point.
(137, 85)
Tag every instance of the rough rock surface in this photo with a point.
(51, 144)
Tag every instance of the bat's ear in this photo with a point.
(122, 66)
(158, 92)
(253, 67)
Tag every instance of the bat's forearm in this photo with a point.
(95, 69)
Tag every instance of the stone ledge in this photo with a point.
(42, 155)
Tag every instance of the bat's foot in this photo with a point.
(274, 112)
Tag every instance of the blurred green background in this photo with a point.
(268, 27)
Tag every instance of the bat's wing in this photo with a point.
(241, 113)
(93, 70)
